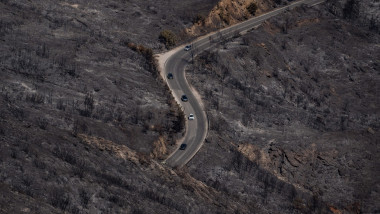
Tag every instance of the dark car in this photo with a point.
(170, 76)
(184, 98)
(183, 146)
(188, 47)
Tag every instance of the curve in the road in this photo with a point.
(175, 62)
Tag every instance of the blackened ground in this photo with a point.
(84, 115)
(294, 102)
(84, 118)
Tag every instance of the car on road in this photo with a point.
(183, 146)
(170, 76)
(191, 117)
(184, 98)
(187, 47)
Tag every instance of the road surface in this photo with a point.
(175, 62)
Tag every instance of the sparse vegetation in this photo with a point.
(168, 38)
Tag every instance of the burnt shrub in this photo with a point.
(59, 198)
(13, 154)
(36, 98)
(179, 123)
(65, 155)
(61, 105)
(112, 179)
(43, 51)
(88, 105)
(199, 19)
(2, 131)
(39, 163)
(79, 126)
(80, 168)
(42, 123)
(351, 9)
(252, 8)
(84, 197)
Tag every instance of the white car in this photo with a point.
(191, 117)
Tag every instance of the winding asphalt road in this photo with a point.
(175, 62)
